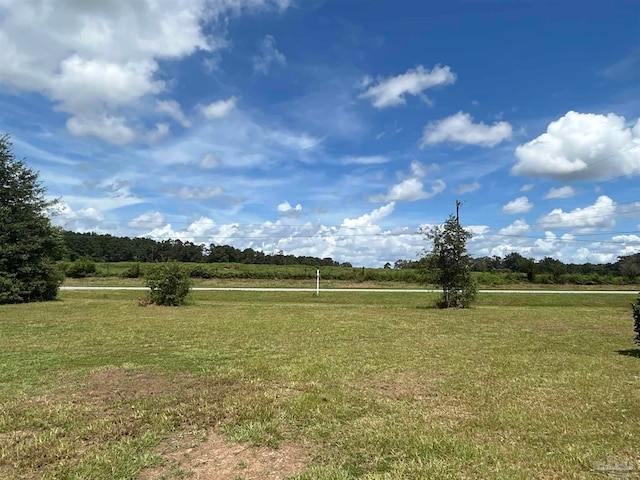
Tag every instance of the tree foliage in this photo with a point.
(447, 264)
(169, 283)
(29, 245)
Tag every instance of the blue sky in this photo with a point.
(333, 128)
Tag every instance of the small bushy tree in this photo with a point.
(169, 283)
(447, 264)
(82, 267)
(29, 245)
(636, 319)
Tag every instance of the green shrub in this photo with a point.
(81, 268)
(636, 319)
(169, 283)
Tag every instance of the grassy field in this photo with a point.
(341, 386)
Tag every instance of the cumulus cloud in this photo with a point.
(286, 210)
(459, 128)
(519, 205)
(86, 219)
(391, 92)
(410, 190)
(370, 219)
(219, 109)
(582, 146)
(562, 192)
(269, 55)
(100, 60)
(599, 216)
(519, 227)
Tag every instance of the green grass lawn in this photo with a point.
(373, 386)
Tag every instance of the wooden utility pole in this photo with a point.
(458, 204)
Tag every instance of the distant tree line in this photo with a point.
(627, 267)
(108, 248)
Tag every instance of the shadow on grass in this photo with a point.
(632, 352)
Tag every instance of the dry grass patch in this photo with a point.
(423, 392)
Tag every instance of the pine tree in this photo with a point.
(29, 245)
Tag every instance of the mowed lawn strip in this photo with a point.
(375, 385)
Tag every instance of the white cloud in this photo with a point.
(527, 187)
(600, 215)
(101, 59)
(459, 128)
(81, 220)
(410, 190)
(468, 187)
(172, 108)
(626, 239)
(517, 228)
(148, 220)
(187, 193)
(105, 127)
(93, 58)
(582, 146)
(219, 109)
(364, 160)
(421, 170)
(519, 205)
(268, 55)
(584, 255)
(370, 219)
(210, 161)
(562, 192)
(391, 92)
(286, 210)
(547, 246)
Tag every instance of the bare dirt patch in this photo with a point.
(219, 459)
(82, 417)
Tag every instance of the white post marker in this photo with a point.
(317, 283)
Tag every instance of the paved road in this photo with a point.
(359, 290)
